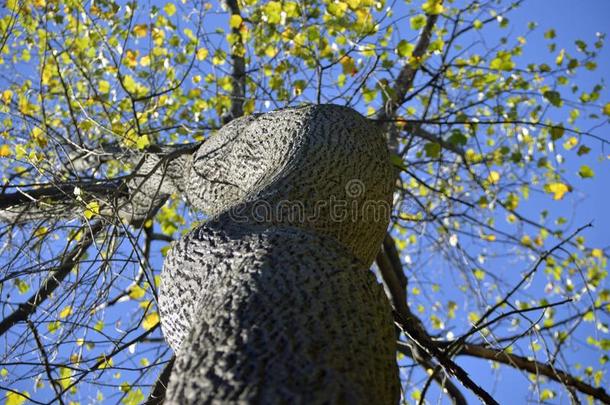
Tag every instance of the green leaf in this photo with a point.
(586, 172)
(457, 138)
(404, 49)
(557, 132)
(432, 149)
(553, 97)
(418, 22)
(433, 7)
(398, 162)
(583, 150)
(502, 61)
(273, 11)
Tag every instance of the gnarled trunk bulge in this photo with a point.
(271, 300)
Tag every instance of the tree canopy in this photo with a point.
(100, 99)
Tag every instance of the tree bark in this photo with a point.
(272, 299)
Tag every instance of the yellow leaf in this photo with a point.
(570, 143)
(479, 274)
(202, 53)
(7, 95)
(597, 253)
(130, 84)
(170, 9)
(150, 320)
(337, 9)
(235, 21)
(494, 177)
(272, 10)
(66, 312)
(142, 142)
(353, 4)
(22, 286)
(39, 137)
(490, 238)
(5, 151)
(349, 65)
(92, 209)
(158, 36)
(140, 30)
(103, 86)
(557, 189)
(136, 292)
(606, 109)
(99, 325)
(65, 377)
(53, 326)
(131, 58)
(433, 6)
(145, 60)
(14, 398)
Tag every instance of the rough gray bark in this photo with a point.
(271, 300)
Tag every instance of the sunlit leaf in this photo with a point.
(66, 312)
(150, 321)
(14, 398)
(433, 7)
(585, 172)
(140, 30)
(557, 189)
(170, 9)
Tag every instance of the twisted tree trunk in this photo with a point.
(271, 300)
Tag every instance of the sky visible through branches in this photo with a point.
(125, 314)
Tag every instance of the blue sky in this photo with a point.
(572, 20)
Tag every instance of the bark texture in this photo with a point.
(271, 300)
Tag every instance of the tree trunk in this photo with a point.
(272, 300)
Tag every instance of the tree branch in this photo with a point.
(157, 394)
(53, 281)
(238, 76)
(534, 367)
(395, 281)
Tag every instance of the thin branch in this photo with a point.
(540, 260)
(534, 367)
(45, 359)
(50, 284)
(405, 79)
